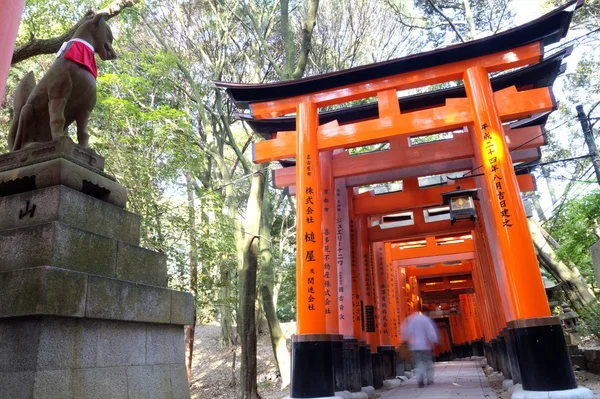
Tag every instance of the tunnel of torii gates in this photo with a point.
(365, 261)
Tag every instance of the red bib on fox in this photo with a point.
(83, 55)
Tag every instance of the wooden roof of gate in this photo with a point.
(547, 29)
(534, 76)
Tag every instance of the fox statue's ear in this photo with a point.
(98, 18)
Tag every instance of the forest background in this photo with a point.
(172, 139)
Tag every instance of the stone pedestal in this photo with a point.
(84, 310)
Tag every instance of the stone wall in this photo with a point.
(592, 359)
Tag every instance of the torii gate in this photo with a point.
(339, 249)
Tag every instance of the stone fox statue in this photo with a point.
(66, 93)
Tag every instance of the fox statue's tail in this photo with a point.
(22, 93)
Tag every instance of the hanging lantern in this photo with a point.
(462, 205)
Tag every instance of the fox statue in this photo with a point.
(66, 93)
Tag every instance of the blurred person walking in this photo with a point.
(422, 334)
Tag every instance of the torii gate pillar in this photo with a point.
(540, 342)
(312, 350)
(10, 17)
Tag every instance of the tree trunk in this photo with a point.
(225, 307)
(538, 207)
(470, 20)
(193, 265)
(578, 291)
(546, 175)
(189, 343)
(247, 287)
(262, 323)
(278, 342)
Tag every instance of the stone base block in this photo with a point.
(389, 384)
(66, 171)
(542, 355)
(54, 357)
(378, 371)
(366, 366)
(67, 247)
(351, 358)
(62, 147)
(506, 384)
(369, 390)
(577, 393)
(63, 204)
(359, 395)
(312, 366)
(53, 291)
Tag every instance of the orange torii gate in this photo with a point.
(334, 247)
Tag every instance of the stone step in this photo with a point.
(579, 360)
(573, 350)
(53, 291)
(63, 204)
(60, 245)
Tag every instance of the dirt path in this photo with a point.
(212, 374)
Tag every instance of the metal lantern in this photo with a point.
(462, 205)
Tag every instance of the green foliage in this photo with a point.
(286, 304)
(576, 228)
(589, 320)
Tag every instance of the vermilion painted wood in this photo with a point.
(417, 230)
(310, 287)
(328, 228)
(381, 294)
(482, 299)
(439, 270)
(342, 258)
(427, 260)
(446, 285)
(514, 58)
(375, 290)
(367, 293)
(520, 261)
(399, 157)
(10, 17)
(384, 204)
(454, 115)
(432, 249)
(355, 264)
(391, 287)
(496, 275)
(520, 155)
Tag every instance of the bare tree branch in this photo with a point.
(50, 46)
(436, 8)
(307, 31)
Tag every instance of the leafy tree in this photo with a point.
(577, 227)
(448, 21)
